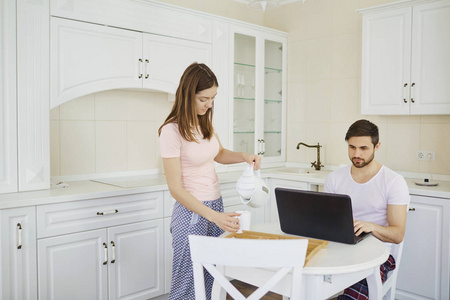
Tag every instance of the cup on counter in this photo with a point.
(244, 220)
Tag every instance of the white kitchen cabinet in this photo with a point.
(87, 58)
(168, 255)
(74, 266)
(136, 269)
(109, 248)
(8, 116)
(259, 93)
(425, 271)
(18, 279)
(24, 96)
(147, 16)
(405, 61)
(166, 58)
(123, 262)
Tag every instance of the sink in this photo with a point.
(301, 171)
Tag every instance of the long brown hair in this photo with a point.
(196, 78)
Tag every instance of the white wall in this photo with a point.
(111, 131)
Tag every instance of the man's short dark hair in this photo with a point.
(363, 128)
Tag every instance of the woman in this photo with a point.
(189, 147)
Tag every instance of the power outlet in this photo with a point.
(426, 155)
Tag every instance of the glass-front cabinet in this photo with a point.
(259, 94)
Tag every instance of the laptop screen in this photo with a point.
(316, 215)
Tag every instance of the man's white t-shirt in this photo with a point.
(370, 199)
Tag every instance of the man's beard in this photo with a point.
(363, 163)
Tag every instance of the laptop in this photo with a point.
(317, 215)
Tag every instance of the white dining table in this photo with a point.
(328, 272)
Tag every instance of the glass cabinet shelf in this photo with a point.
(244, 65)
(270, 70)
(243, 132)
(271, 100)
(246, 99)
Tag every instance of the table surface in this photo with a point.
(339, 258)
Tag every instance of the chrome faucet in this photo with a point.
(316, 164)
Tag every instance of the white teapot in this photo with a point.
(252, 189)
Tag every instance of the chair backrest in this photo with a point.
(216, 253)
(389, 286)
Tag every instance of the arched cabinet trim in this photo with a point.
(88, 58)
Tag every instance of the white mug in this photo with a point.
(244, 220)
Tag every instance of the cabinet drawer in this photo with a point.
(63, 218)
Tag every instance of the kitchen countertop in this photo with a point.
(89, 189)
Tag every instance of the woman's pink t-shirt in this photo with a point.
(197, 161)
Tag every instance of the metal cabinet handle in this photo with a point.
(404, 93)
(19, 236)
(102, 213)
(259, 147)
(263, 143)
(113, 249)
(146, 68)
(140, 68)
(105, 251)
(412, 94)
(412, 209)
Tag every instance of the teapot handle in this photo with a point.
(249, 169)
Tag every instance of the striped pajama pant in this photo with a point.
(184, 223)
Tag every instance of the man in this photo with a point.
(379, 196)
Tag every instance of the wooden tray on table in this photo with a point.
(313, 245)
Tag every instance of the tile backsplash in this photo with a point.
(110, 131)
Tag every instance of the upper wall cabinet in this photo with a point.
(87, 58)
(405, 61)
(140, 15)
(259, 98)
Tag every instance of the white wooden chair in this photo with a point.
(215, 253)
(386, 290)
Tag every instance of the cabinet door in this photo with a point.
(73, 267)
(8, 119)
(33, 93)
(386, 54)
(274, 110)
(430, 58)
(136, 260)
(18, 254)
(424, 269)
(168, 255)
(244, 93)
(166, 58)
(87, 58)
(259, 77)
